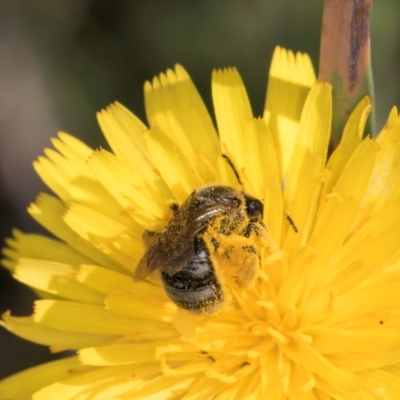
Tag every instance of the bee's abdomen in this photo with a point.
(195, 287)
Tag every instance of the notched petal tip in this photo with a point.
(181, 72)
(292, 67)
(328, 85)
(225, 73)
(147, 87)
(156, 83)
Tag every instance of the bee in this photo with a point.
(214, 222)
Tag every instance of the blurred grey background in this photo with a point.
(61, 61)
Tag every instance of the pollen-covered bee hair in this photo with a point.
(216, 225)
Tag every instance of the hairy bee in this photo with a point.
(215, 221)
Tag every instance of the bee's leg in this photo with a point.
(148, 237)
(215, 244)
(257, 232)
(255, 228)
(174, 207)
(251, 265)
(240, 257)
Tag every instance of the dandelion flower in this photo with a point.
(322, 318)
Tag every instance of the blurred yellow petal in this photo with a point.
(128, 188)
(54, 278)
(48, 211)
(384, 187)
(233, 111)
(72, 148)
(173, 104)
(381, 384)
(128, 353)
(70, 183)
(305, 355)
(21, 386)
(124, 133)
(40, 247)
(290, 79)
(77, 317)
(57, 339)
(331, 340)
(105, 382)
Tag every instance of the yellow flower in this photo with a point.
(322, 319)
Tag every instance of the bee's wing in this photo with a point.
(172, 255)
(174, 248)
(141, 270)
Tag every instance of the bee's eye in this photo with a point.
(254, 207)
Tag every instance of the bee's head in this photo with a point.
(254, 207)
(218, 196)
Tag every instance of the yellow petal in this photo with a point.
(205, 388)
(289, 82)
(303, 210)
(308, 357)
(132, 353)
(332, 392)
(384, 187)
(48, 211)
(261, 169)
(174, 105)
(331, 340)
(140, 199)
(58, 340)
(356, 176)
(164, 388)
(21, 386)
(73, 181)
(118, 354)
(380, 384)
(232, 111)
(313, 136)
(92, 225)
(342, 215)
(273, 378)
(106, 383)
(103, 233)
(105, 281)
(351, 138)
(173, 165)
(376, 255)
(40, 247)
(273, 211)
(55, 278)
(124, 133)
(362, 300)
(72, 148)
(132, 306)
(77, 317)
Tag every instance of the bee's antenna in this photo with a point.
(291, 222)
(229, 161)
